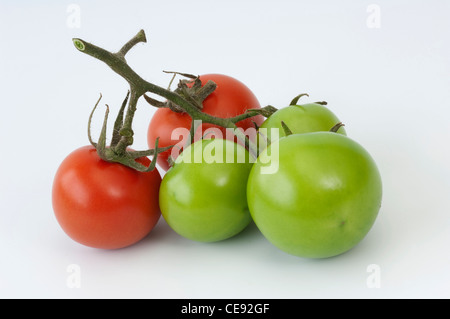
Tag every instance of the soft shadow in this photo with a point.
(161, 232)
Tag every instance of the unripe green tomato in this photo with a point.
(203, 195)
(314, 195)
(306, 118)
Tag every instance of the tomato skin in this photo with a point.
(104, 205)
(206, 201)
(327, 197)
(230, 98)
(164, 121)
(306, 118)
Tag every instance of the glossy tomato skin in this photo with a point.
(104, 205)
(163, 123)
(306, 118)
(205, 200)
(230, 98)
(327, 196)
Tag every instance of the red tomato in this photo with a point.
(102, 204)
(230, 98)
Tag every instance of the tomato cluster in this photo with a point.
(230, 98)
(311, 190)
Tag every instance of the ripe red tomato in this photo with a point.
(230, 98)
(102, 204)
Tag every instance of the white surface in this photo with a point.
(390, 85)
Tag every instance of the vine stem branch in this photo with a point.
(139, 86)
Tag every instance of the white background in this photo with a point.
(390, 85)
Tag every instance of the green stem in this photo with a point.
(138, 87)
(336, 127)
(139, 37)
(90, 121)
(115, 61)
(295, 99)
(126, 132)
(286, 129)
(265, 111)
(118, 124)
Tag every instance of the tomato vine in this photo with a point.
(181, 99)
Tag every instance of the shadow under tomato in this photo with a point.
(160, 233)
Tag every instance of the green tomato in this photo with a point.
(306, 118)
(203, 195)
(314, 195)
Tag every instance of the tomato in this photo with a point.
(311, 117)
(230, 98)
(314, 195)
(203, 196)
(102, 204)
